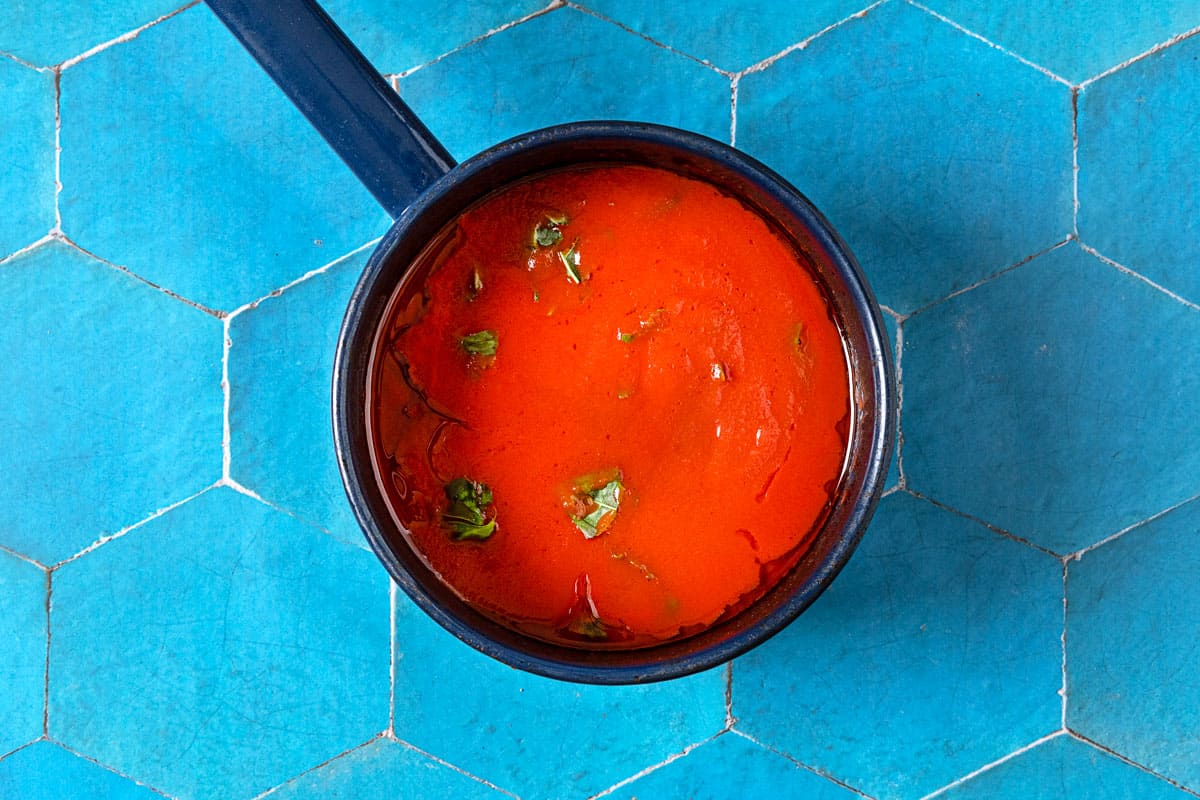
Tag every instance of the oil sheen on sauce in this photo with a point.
(614, 407)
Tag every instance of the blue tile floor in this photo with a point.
(189, 610)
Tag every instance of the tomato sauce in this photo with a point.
(614, 409)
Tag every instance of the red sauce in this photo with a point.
(687, 359)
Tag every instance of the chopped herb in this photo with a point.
(547, 234)
(588, 628)
(466, 516)
(625, 337)
(480, 343)
(570, 260)
(655, 321)
(536, 297)
(597, 508)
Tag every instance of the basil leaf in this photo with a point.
(480, 343)
(603, 503)
(466, 515)
(570, 260)
(547, 234)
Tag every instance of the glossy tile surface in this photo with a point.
(1065, 768)
(1037, 401)
(1131, 646)
(106, 377)
(202, 180)
(191, 612)
(935, 652)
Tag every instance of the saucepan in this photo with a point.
(419, 184)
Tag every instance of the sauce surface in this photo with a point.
(616, 408)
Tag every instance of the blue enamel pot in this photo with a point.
(419, 184)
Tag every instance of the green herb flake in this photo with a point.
(601, 505)
(466, 514)
(625, 337)
(570, 260)
(548, 233)
(480, 343)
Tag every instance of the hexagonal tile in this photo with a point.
(219, 650)
(114, 401)
(563, 66)
(1074, 40)
(1064, 768)
(938, 158)
(43, 771)
(397, 36)
(47, 35)
(535, 736)
(1132, 651)
(1139, 168)
(280, 370)
(27, 145)
(23, 657)
(936, 651)
(732, 34)
(204, 181)
(375, 771)
(710, 772)
(1060, 402)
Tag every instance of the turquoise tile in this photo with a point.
(534, 736)
(47, 34)
(23, 656)
(1074, 40)
(564, 66)
(1139, 167)
(113, 401)
(397, 35)
(219, 650)
(1040, 402)
(45, 771)
(200, 179)
(1065, 768)
(713, 770)
(385, 770)
(936, 651)
(731, 34)
(938, 158)
(26, 156)
(1132, 653)
(280, 370)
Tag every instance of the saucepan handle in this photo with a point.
(344, 97)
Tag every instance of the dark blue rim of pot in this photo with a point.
(416, 180)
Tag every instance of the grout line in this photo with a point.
(21, 747)
(1122, 268)
(49, 237)
(1063, 639)
(1076, 735)
(1146, 54)
(734, 87)
(1077, 555)
(30, 65)
(103, 540)
(993, 764)
(990, 43)
(454, 767)
(984, 523)
(702, 62)
(212, 312)
(316, 767)
(125, 37)
(654, 767)
(1075, 161)
(226, 435)
(730, 719)
(989, 278)
(808, 768)
(297, 281)
(552, 6)
(46, 675)
(22, 557)
(113, 770)
(392, 641)
(759, 66)
(57, 229)
(242, 489)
